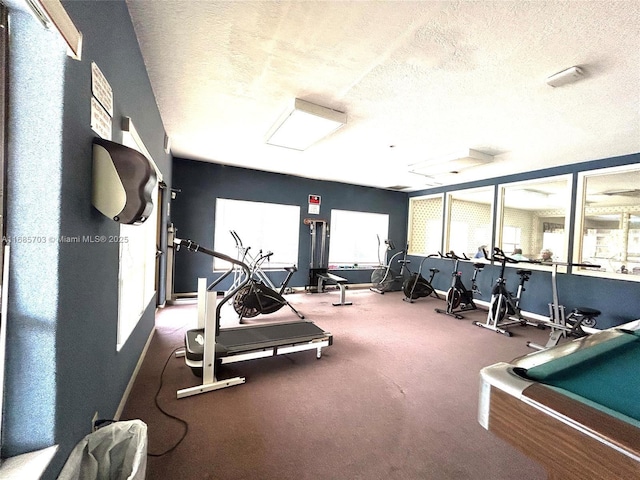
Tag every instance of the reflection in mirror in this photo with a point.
(469, 221)
(425, 225)
(534, 219)
(610, 233)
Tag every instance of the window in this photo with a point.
(511, 238)
(533, 216)
(469, 221)
(425, 225)
(269, 227)
(4, 252)
(353, 239)
(137, 255)
(608, 222)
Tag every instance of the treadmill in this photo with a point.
(209, 345)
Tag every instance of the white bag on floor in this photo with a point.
(115, 452)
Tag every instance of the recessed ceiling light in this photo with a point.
(304, 124)
(450, 164)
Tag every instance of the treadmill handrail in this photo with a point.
(194, 247)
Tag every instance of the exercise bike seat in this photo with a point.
(292, 269)
(582, 316)
(434, 270)
(479, 266)
(586, 312)
(524, 272)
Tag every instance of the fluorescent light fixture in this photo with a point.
(627, 192)
(452, 163)
(304, 124)
(530, 199)
(569, 75)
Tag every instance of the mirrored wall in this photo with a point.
(608, 222)
(533, 218)
(533, 221)
(469, 225)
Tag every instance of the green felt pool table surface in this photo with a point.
(574, 408)
(607, 374)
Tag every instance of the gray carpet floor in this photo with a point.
(395, 397)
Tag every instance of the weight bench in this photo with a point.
(331, 279)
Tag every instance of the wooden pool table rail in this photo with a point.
(570, 439)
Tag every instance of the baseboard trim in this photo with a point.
(132, 380)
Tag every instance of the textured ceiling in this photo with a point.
(416, 79)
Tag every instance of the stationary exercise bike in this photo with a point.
(566, 326)
(416, 286)
(256, 297)
(504, 309)
(459, 298)
(385, 278)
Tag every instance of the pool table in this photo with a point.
(574, 408)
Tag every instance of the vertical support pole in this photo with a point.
(211, 332)
(556, 299)
(323, 248)
(312, 227)
(624, 230)
(202, 302)
(170, 264)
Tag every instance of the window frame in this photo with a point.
(4, 254)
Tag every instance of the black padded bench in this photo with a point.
(331, 279)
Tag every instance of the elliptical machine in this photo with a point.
(416, 286)
(385, 278)
(458, 296)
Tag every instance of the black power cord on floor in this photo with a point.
(183, 422)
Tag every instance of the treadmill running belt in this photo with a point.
(241, 338)
(231, 341)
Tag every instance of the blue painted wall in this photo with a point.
(618, 300)
(62, 364)
(193, 211)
